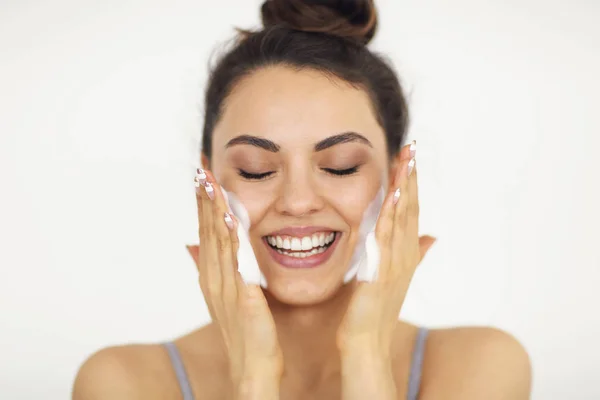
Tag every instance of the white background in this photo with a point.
(100, 118)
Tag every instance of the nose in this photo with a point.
(299, 196)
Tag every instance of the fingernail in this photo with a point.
(228, 221)
(200, 177)
(411, 166)
(396, 195)
(413, 149)
(210, 191)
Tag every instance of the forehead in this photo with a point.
(291, 107)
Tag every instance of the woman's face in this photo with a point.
(276, 147)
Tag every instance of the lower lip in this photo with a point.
(307, 262)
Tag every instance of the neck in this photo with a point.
(307, 337)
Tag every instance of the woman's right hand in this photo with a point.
(241, 311)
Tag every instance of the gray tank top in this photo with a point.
(414, 380)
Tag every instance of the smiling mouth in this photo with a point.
(304, 247)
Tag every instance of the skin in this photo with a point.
(320, 336)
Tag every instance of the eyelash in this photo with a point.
(331, 171)
(254, 177)
(341, 172)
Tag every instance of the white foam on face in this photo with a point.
(365, 260)
(364, 264)
(247, 263)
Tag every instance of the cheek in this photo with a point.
(256, 199)
(256, 202)
(351, 199)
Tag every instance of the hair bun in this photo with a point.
(353, 19)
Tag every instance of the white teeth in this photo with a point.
(296, 244)
(302, 254)
(305, 243)
(314, 241)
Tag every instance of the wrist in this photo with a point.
(258, 387)
(366, 360)
(362, 347)
(259, 381)
(367, 373)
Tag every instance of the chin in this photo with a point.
(303, 291)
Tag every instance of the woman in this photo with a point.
(304, 124)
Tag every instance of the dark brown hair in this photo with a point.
(329, 36)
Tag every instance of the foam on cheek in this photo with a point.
(365, 260)
(247, 263)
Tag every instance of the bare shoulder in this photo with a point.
(138, 371)
(475, 363)
(145, 371)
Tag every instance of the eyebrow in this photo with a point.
(255, 141)
(266, 144)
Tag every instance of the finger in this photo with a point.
(408, 151)
(230, 269)
(238, 282)
(199, 180)
(195, 251)
(412, 209)
(210, 273)
(203, 233)
(399, 248)
(388, 220)
(384, 233)
(225, 230)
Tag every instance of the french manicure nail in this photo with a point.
(228, 221)
(210, 191)
(396, 195)
(411, 166)
(200, 178)
(413, 149)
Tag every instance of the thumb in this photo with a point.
(425, 243)
(194, 252)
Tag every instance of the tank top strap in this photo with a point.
(182, 378)
(416, 368)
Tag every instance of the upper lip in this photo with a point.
(300, 231)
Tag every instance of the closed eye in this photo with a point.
(255, 177)
(341, 172)
(264, 175)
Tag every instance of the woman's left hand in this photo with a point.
(366, 332)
